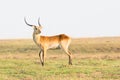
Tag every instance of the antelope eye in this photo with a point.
(35, 28)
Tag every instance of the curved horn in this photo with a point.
(39, 22)
(27, 23)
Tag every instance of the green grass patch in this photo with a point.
(17, 69)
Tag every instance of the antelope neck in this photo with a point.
(36, 38)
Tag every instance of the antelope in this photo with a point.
(48, 42)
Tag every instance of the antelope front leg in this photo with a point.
(70, 58)
(41, 54)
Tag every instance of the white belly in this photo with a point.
(53, 46)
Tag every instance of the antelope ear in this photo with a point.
(34, 27)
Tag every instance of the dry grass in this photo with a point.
(96, 45)
(54, 56)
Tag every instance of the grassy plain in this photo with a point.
(93, 59)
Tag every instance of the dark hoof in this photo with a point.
(70, 63)
(42, 64)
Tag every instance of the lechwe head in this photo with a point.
(37, 29)
(47, 42)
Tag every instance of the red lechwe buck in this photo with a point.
(47, 42)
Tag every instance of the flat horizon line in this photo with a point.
(25, 38)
